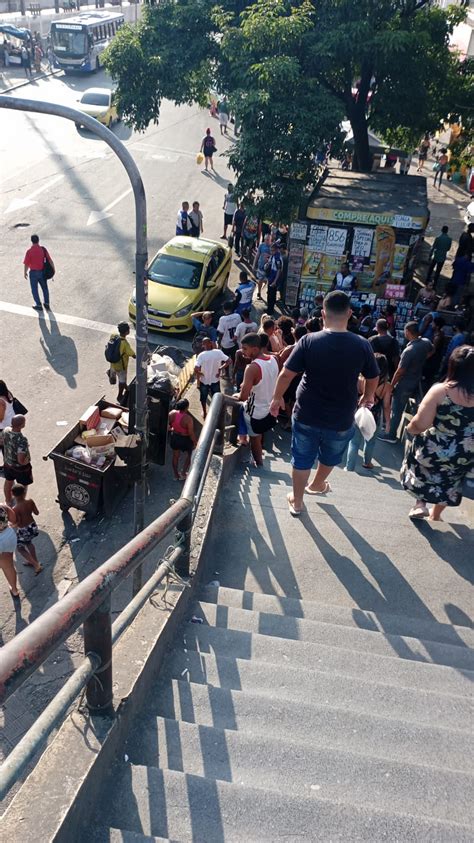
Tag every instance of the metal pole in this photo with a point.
(141, 260)
(98, 641)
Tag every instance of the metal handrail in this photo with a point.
(89, 604)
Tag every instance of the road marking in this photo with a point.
(61, 318)
(96, 216)
(17, 204)
(154, 339)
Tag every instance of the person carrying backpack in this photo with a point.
(118, 352)
(208, 148)
(37, 262)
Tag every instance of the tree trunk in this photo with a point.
(362, 161)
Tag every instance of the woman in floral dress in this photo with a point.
(441, 454)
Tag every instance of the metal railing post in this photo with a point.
(183, 537)
(235, 415)
(98, 640)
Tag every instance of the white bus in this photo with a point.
(79, 41)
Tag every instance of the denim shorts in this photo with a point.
(310, 443)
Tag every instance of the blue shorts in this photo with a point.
(310, 443)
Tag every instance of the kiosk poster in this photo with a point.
(312, 265)
(336, 241)
(400, 255)
(362, 242)
(384, 249)
(394, 291)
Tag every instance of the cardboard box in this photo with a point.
(91, 418)
(111, 413)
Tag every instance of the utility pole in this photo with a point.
(141, 281)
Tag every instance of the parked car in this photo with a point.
(185, 276)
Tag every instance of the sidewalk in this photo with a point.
(14, 77)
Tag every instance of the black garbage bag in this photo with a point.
(177, 354)
(161, 383)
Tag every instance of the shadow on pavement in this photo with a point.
(59, 349)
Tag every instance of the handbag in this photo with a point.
(436, 167)
(48, 269)
(18, 408)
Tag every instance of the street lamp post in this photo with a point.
(141, 290)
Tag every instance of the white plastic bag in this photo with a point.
(365, 422)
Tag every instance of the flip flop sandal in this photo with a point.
(293, 511)
(418, 512)
(325, 491)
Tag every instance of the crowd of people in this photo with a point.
(313, 373)
(31, 54)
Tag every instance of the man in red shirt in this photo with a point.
(34, 262)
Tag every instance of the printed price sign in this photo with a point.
(336, 241)
(362, 242)
(298, 231)
(317, 238)
(403, 221)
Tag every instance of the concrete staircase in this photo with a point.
(286, 718)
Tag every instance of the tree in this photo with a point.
(292, 72)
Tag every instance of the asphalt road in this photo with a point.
(52, 178)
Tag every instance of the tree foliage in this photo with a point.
(293, 70)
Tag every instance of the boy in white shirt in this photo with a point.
(210, 364)
(245, 327)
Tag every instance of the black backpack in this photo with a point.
(112, 350)
(48, 270)
(198, 339)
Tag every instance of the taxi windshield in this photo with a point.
(175, 272)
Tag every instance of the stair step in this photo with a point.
(397, 646)
(354, 617)
(325, 726)
(252, 646)
(299, 769)
(322, 688)
(192, 808)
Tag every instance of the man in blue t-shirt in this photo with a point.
(330, 362)
(202, 324)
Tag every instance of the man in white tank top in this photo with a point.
(257, 390)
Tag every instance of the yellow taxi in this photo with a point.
(99, 103)
(185, 276)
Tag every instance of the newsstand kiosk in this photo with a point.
(375, 222)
